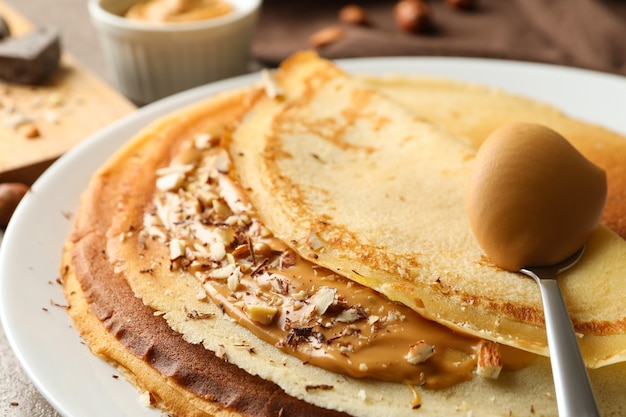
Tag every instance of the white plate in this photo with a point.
(77, 383)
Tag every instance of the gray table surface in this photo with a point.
(18, 396)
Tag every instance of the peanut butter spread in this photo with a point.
(212, 232)
(533, 199)
(164, 11)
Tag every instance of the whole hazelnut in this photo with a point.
(413, 16)
(325, 36)
(10, 195)
(353, 15)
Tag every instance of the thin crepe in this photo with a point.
(112, 209)
(366, 187)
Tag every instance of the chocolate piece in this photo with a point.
(30, 58)
(5, 32)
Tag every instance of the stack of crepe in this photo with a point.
(283, 202)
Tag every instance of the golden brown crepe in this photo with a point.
(175, 343)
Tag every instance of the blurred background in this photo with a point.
(584, 33)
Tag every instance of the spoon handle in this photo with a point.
(573, 388)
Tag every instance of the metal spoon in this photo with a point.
(574, 395)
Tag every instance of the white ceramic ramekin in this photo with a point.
(150, 61)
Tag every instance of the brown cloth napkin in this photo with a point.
(583, 33)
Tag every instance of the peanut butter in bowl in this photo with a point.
(156, 48)
(177, 11)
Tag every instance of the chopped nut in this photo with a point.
(489, 360)
(203, 141)
(325, 36)
(362, 395)
(225, 235)
(221, 352)
(221, 209)
(177, 249)
(231, 194)
(419, 352)
(351, 315)
(223, 272)
(261, 313)
(222, 162)
(170, 181)
(299, 296)
(185, 157)
(288, 259)
(241, 251)
(30, 131)
(233, 279)
(217, 250)
(323, 298)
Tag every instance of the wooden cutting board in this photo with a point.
(72, 104)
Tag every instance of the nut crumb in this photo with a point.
(362, 395)
(196, 315)
(30, 131)
(221, 352)
(419, 352)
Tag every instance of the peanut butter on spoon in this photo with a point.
(533, 199)
(533, 202)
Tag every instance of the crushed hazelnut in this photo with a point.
(177, 249)
(170, 181)
(489, 361)
(261, 313)
(30, 131)
(419, 352)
